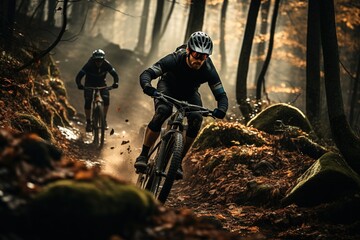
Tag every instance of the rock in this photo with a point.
(328, 179)
(95, 207)
(286, 114)
(221, 134)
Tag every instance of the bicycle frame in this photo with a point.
(98, 116)
(168, 151)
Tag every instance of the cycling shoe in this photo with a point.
(141, 164)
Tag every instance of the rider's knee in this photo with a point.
(162, 113)
(87, 104)
(194, 125)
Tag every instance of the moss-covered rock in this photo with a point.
(268, 119)
(28, 123)
(328, 179)
(92, 209)
(225, 134)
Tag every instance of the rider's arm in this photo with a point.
(218, 91)
(220, 96)
(110, 69)
(146, 77)
(115, 75)
(79, 76)
(158, 69)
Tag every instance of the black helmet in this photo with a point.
(200, 42)
(98, 54)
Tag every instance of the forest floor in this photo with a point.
(223, 196)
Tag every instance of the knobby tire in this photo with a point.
(145, 180)
(98, 126)
(167, 164)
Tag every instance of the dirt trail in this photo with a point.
(129, 108)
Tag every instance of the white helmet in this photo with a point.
(200, 42)
(98, 54)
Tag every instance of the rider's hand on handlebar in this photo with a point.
(80, 87)
(218, 113)
(115, 85)
(151, 91)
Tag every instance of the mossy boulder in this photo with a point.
(225, 134)
(328, 179)
(93, 209)
(268, 119)
(28, 123)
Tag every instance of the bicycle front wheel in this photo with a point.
(98, 126)
(167, 164)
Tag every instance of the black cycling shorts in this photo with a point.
(163, 112)
(88, 95)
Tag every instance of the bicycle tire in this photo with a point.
(168, 162)
(98, 126)
(145, 180)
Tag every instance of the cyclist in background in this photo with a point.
(181, 74)
(95, 71)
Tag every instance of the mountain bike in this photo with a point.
(98, 116)
(166, 155)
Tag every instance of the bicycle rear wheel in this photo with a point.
(167, 164)
(98, 126)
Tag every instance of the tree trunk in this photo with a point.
(23, 7)
(261, 79)
(243, 65)
(155, 37)
(78, 15)
(222, 38)
(346, 141)
(196, 17)
(354, 96)
(140, 47)
(313, 64)
(265, 8)
(7, 14)
(53, 45)
(51, 12)
(38, 14)
(167, 20)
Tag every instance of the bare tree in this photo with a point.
(23, 7)
(354, 96)
(38, 56)
(313, 64)
(346, 141)
(261, 79)
(155, 37)
(51, 12)
(140, 47)
(7, 14)
(243, 65)
(167, 20)
(222, 37)
(265, 9)
(196, 17)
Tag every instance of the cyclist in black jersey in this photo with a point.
(95, 71)
(181, 74)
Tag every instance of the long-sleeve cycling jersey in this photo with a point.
(96, 76)
(181, 81)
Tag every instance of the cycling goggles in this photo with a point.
(200, 56)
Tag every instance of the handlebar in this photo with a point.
(184, 105)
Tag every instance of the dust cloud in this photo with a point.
(130, 109)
